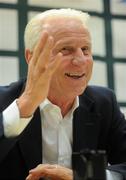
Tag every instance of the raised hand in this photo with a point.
(40, 70)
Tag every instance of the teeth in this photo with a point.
(74, 75)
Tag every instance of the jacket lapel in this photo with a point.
(86, 125)
(30, 142)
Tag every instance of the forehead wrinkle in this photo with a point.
(64, 37)
(64, 26)
(70, 37)
(69, 33)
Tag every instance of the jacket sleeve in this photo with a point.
(6, 144)
(7, 95)
(117, 135)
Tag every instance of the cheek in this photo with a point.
(67, 59)
(90, 63)
(65, 64)
(89, 67)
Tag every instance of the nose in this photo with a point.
(78, 57)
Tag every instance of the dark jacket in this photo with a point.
(97, 124)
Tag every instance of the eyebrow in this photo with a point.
(70, 44)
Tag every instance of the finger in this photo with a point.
(45, 55)
(40, 171)
(39, 47)
(37, 173)
(39, 168)
(29, 177)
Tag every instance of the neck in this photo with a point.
(64, 103)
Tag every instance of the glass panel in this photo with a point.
(99, 76)
(120, 81)
(9, 70)
(8, 1)
(97, 5)
(119, 38)
(96, 26)
(8, 30)
(31, 14)
(118, 6)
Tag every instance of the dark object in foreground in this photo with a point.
(94, 163)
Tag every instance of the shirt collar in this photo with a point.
(46, 103)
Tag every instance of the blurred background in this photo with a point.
(108, 30)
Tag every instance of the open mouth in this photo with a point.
(75, 76)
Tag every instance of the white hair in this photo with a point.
(34, 28)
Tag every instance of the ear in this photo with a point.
(28, 55)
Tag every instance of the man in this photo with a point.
(54, 113)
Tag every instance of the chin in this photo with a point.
(79, 91)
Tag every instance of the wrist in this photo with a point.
(26, 106)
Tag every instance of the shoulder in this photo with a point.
(10, 92)
(12, 86)
(100, 96)
(99, 92)
(103, 101)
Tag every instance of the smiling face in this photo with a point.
(74, 72)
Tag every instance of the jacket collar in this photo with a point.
(86, 124)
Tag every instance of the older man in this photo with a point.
(54, 112)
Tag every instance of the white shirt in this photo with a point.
(56, 130)
(57, 134)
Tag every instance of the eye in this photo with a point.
(66, 50)
(86, 50)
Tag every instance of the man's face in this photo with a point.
(74, 72)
